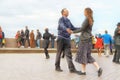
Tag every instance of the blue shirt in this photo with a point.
(63, 24)
(106, 38)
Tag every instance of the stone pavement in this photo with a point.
(36, 67)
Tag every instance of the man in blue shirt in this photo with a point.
(107, 40)
(65, 28)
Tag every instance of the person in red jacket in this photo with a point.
(99, 44)
(18, 39)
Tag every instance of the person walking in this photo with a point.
(106, 40)
(38, 38)
(27, 36)
(83, 55)
(46, 42)
(63, 41)
(117, 44)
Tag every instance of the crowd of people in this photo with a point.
(28, 38)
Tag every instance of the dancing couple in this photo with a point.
(83, 56)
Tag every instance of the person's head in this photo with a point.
(89, 14)
(46, 29)
(37, 30)
(18, 32)
(32, 31)
(22, 30)
(106, 31)
(99, 35)
(118, 25)
(26, 27)
(65, 12)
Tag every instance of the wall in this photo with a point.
(11, 43)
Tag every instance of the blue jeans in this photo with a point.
(38, 43)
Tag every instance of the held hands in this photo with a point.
(69, 30)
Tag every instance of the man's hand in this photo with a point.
(69, 30)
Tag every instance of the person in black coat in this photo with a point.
(27, 36)
(22, 37)
(117, 44)
(46, 41)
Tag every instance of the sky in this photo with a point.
(39, 14)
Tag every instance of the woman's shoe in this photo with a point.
(81, 73)
(100, 72)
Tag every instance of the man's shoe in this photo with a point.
(81, 73)
(47, 57)
(62, 56)
(73, 71)
(100, 72)
(117, 62)
(113, 61)
(59, 70)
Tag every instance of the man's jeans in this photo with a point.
(38, 43)
(107, 49)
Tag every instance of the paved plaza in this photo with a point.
(36, 67)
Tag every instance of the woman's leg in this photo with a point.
(83, 71)
(100, 51)
(96, 65)
(83, 68)
(98, 69)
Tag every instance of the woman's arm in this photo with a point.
(84, 25)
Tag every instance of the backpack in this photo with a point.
(1, 36)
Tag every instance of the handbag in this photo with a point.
(3, 41)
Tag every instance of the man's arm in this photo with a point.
(63, 26)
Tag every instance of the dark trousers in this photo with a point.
(63, 44)
(46, 45)
(27, 39)
(22, 41)
(46, 52)
(116, 56)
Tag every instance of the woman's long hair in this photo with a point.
(89, 15)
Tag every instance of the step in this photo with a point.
(34, 50)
